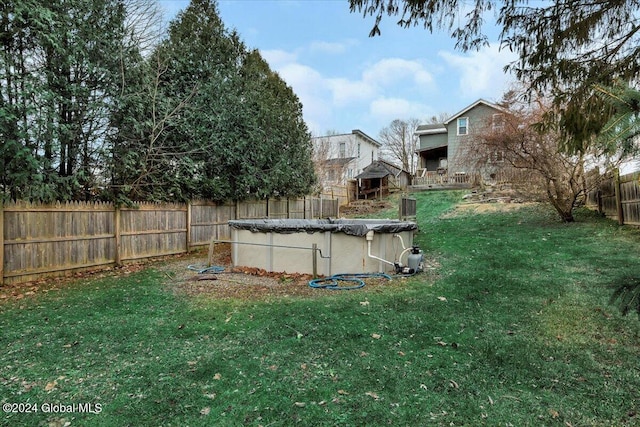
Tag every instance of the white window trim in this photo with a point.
(458, 126)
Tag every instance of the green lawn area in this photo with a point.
(513, 328)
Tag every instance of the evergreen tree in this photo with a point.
(620, 133)
(220, 124)
(59, 62)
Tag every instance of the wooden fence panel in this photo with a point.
(204, 222)
(630, 198)
(340, 192)
(43, 240)
(254, 209)
(278, 208)
(153, 230)
(618, 197)
(225, 213)
(608, 198)
(297, 208)
(53, 238)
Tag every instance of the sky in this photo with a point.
(347, 80)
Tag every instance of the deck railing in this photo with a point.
(425, 177)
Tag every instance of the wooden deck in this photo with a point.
(434, 180)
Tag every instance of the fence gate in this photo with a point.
(408, 208)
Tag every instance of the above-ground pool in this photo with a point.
(323, 247)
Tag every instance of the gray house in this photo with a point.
(442, 144)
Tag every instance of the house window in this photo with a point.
(463, 125)
(343, 150)
(497, 122)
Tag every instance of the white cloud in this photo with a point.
(388, 109)
(389, 71)
(277, 57)
(382, 92)
(345, 91)
(310, 87)
(482, 72)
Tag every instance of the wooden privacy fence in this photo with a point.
(618, 197)
(38, 241)
(340, 192)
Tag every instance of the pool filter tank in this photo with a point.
(415, 261)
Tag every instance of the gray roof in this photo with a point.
(375, 172)
(479, 101)
(430, 129)
(379, 169)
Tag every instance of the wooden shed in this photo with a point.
(381, 178)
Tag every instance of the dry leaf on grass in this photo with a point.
(373, 395)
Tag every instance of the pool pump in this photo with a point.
(415, 262)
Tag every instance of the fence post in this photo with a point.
(599, 200)
(616, 184)
(1, 243)
(116, 231)
(188, 220)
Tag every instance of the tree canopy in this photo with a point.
(97, 103)
(565, 47)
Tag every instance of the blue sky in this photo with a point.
(347, 80)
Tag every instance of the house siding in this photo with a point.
(477, 119)
(433, 140)
(356, 144)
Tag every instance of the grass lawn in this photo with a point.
(512, 328)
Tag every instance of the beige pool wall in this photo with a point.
(344, 253)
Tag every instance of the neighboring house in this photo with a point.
(381, 178)
(441, 152)
(339, 158)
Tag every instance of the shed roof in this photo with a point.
(380, 169)
(375, 172)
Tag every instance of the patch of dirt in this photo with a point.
(364, 207)
(246, 283)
